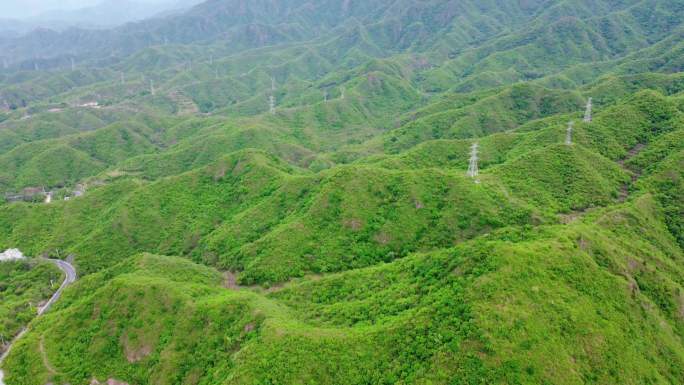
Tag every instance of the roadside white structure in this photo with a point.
(11, 255)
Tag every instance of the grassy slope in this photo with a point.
(236, 212)
(610, 283)
(421, 276)
(592, 299)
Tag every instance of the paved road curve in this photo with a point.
(69, 278)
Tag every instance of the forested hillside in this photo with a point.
(351, 192)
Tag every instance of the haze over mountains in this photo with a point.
(266, 191)
(84, 14)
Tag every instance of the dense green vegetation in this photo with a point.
(24, 285)
(592, 291)
(338, 239)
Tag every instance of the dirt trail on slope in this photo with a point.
(624, 191)
(43, 355)
(230, 283)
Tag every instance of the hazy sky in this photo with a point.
(26, 8)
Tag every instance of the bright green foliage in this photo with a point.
(470, 305)
(24, 285)
(563, 177)
(338, 239)
(488, 115)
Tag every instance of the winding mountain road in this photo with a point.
(69, 278)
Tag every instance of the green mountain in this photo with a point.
(279, 192)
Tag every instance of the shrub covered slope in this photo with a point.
(337, 239)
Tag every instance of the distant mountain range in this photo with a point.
(107, 14)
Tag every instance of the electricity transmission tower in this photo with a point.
(473, 169)
(342, 93)
(73, 65)
(568, 136)
(152, 87)
(587, 113)
(271, 99)
(271, 102)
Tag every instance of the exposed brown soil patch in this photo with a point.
(571, 217)
(230, 281)
(582, 243)
(135, 353)
(383, 238)
(354, 224)
(220, 173)
(110, 381)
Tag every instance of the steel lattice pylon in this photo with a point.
(271, 99)
(587, 113)
(473, 169)
(568, 136)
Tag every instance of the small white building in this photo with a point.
(11, 255)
